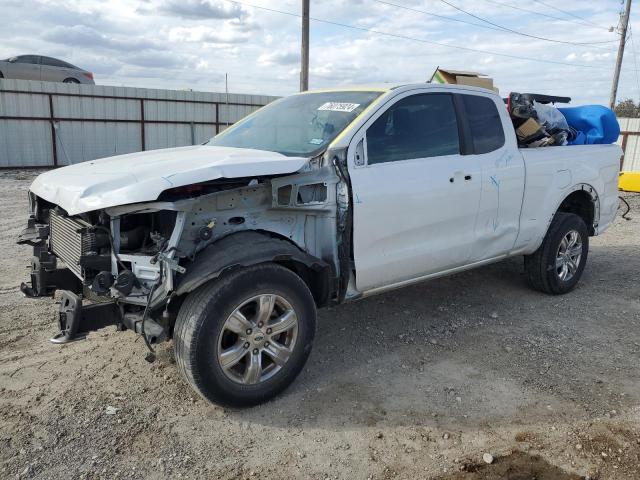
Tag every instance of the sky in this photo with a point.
(191, 44)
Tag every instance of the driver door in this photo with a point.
(415, 196)
(25, 67)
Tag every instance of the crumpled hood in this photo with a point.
(142, 176)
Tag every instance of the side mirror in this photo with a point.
(12, 60)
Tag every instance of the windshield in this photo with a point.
(299, 125)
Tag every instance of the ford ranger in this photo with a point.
(228, 248)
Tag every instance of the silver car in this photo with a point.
(48, 69)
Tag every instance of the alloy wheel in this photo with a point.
(569, 255)
(257, 339)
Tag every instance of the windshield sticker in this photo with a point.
(339, 107)
(316, 141)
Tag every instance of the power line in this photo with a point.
(517, 32)
(546, 15)
(443, 17)
(420, 40)
(491, 25)
(584, 20)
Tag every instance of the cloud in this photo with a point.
(135, 42)
(280, 57)
(201, 9)
(156, 60)
(87, 37)
(204, 34)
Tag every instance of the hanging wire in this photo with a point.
(516, 32)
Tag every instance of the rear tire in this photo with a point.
(556, 267)
(70, 80)
(233, 351)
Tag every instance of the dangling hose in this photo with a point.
(624, 215)
(151, 356)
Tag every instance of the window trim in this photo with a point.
(464, 129)
(386, 107)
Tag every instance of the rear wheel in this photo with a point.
(242, 339)
(70, 80)
(556, 267)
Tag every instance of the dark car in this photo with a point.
(48, 69)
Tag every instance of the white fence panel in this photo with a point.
(55, 124)
(81, 141)
(25, 144)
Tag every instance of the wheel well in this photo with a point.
(581, 203)
(318, 280)
(248, 248)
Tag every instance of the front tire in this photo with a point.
(243, 338)
(556, 267)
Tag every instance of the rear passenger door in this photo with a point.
(415, 196)
(503, 174)
(54, 70)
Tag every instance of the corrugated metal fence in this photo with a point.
(630, 142)
(44, 124)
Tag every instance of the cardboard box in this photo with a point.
(527, 129)
(461, 77)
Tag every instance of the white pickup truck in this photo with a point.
(228, 248)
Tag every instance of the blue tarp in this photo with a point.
(593, 124)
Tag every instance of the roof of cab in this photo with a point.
(385, 88)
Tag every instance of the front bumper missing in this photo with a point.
(76, 319)
(46, 277)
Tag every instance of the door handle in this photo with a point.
(453, 179)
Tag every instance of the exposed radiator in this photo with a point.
(67, 243)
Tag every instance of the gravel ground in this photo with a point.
(417, 383)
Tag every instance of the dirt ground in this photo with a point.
(417, 383)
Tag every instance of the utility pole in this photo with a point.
(304, 57)
(623, 39)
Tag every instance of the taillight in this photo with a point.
(89, 75)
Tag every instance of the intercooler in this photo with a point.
(68, 242)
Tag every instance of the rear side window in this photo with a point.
(54, 62)
(419, 126)
(484, 122)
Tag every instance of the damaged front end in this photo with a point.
(132, 265)
(120, 263)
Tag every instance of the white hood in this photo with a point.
(142, 176)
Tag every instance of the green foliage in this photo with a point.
(627, 109)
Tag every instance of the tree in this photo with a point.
(627, 109)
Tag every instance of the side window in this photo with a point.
(33, 59)
(487, 133)
(419, 126)
(54, 62)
